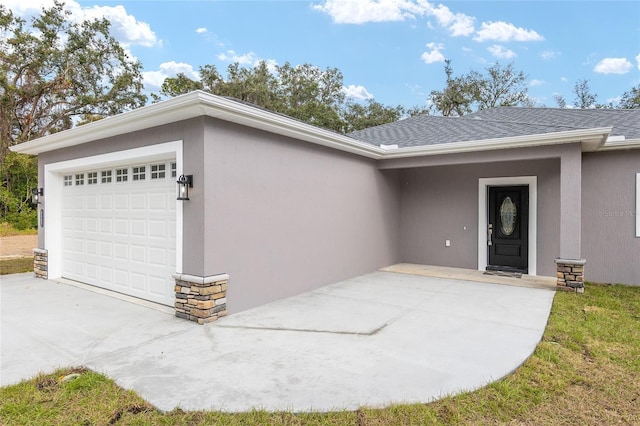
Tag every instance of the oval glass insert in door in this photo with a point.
(508, 216)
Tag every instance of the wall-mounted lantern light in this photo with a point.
(184, 183)
(36, 193)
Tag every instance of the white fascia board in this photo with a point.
(619, 143)
(590, 138)
(191, 105)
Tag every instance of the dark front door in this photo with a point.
(508, 228)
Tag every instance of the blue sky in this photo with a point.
(392, 50)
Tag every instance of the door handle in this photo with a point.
(490, 234)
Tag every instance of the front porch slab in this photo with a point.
(530, 281)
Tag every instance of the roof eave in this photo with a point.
(614, 145)
(193, 105)
(591, 139)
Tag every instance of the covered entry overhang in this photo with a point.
(455, 177)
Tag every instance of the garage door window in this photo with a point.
(122, 175)
(79, 179)
(158, 171)
(68, 180)
(92, 178)
(138, 172)
(105, 176)
(173, 170)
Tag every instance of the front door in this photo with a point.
(508, 228)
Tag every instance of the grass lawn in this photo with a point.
(586, 370)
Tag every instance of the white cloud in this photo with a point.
(564, 79)
(201, 30)
(154, 79)
(503, 31)
(434, 54)
(547, 55)
(638, 60)
(614, 101)
(249, 59)
(613, 66)
(501, 52)
(231, 56)
(534, 83)
(458, 24)
(362, 11)
(124, 27)
(356, 92)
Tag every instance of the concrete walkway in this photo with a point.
(374, 340)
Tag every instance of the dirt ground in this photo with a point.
(17, 246)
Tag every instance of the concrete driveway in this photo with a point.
(373, 340)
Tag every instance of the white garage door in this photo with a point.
(119, 229)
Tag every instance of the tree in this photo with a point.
(53, 74)
(584, 98)
(501, 87)
(179, 85)
(456, 98)
(561, 102)
(311, 95)
(357, 116)
(630, 99)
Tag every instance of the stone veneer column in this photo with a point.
(201, 299)
(570, 273)
(41, 263)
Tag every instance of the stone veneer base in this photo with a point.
(41, 263)
(201, 299)
(570, 274)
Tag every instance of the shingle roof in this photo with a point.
(499, 122)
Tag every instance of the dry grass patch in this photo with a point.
(16, 265)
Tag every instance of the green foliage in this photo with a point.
(54, 72)
(630, 99)
(19, 174)
(501, 86)
(584, 98)
(456, 98)
(304, 92)
(179, 85)
(358, 116)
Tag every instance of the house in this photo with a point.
(277, 207)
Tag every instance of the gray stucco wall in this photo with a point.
(284, 216)
(439, 202)
(608, 216)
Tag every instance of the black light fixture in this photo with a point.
(184, 183)
(36, 193)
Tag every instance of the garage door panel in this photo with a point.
(121, 251)
(138, 202)
(122, 236)
(106, 202)
(91, 203)
(138, 227)
(121, 227)
(158, 256)
(92, 224)
(92, 270)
